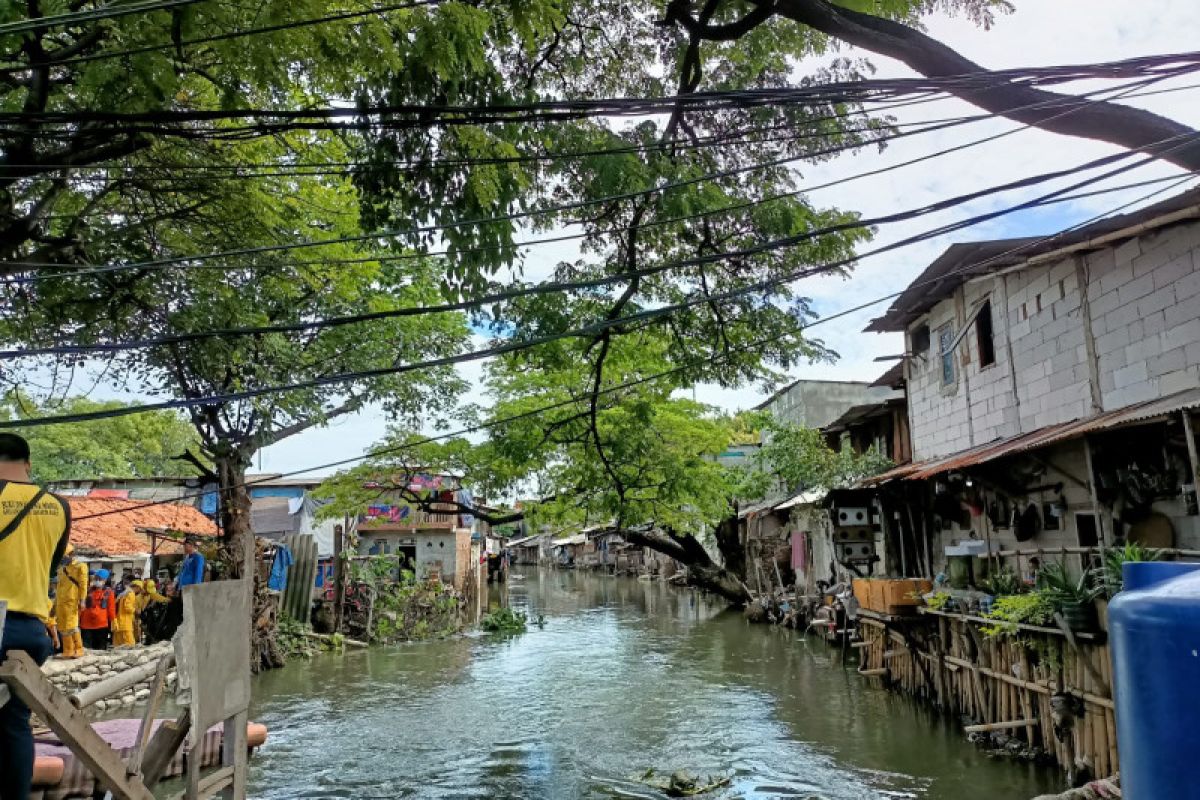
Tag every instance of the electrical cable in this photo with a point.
(553, 287)
(111, 11)
(220, 37)
(719, 99)
(591, 329)
(88, 269)
(708, 360)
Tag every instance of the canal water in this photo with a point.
(624, 677)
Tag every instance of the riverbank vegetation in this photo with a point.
(504, 620)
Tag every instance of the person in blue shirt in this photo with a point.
(192, 570)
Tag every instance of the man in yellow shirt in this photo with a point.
(68, 599)
(34, 526)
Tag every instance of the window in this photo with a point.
(983, 334)
(920, 339)
(945, 342)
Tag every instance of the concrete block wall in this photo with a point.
(1142, 316)
(940, 414)
(1145, 303)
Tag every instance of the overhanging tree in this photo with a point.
(143, 446)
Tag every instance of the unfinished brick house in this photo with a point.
(1051, 387)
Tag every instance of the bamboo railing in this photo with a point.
(946, 660)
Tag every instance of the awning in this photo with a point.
(1136, 414)
(803, 499)
(578, 538)
(758, 508)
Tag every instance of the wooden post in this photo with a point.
(1101, 537)
(339, 576)
(133, 766)
(1190, 435)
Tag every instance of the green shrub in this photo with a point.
(504, 620)
(1009, 610)
(938, 601)
(1110, 578)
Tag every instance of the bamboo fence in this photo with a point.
(946, 660)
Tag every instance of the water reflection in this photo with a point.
(625, 676)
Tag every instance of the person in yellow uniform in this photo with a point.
(68, 600)
(34, 527)
(128, 604)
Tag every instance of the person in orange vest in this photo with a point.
(127, 609)
(68, 602)
(99, 611)
(34, 528)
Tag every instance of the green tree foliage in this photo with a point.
(718, 186)
(797, 458)
(142, 446)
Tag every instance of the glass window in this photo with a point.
(945, 339)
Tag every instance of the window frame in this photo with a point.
(945, 339)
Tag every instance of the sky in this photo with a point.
(1039, 32)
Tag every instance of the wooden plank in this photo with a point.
(234, 755)
(133, 766)
(68, 723)
(163, 746)
(999, 726)
(210, 785)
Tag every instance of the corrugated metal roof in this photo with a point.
(523, 540)
(960, 262)
(578, 538)
(803, 499)
(1147, 411)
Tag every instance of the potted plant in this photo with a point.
(1110, 577)
(1070, 596)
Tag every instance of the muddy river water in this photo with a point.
(624, 677)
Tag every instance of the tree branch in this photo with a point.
(1124, 126)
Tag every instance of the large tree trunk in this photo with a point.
(234, 512)
(702, 570)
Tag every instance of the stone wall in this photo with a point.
(71, 675)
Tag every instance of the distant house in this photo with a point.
(436, 543)
(188, 490)
(282, 506)
(114, 532)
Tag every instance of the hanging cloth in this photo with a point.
(279, 568)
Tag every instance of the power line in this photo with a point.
(292, 25)
(427, 115)
(707, 360)
(188, 260)
(554, 287)
(241, 171)
(593, 328)
(111, 11)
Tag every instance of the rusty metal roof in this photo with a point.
(960, 262)
(1138, 413)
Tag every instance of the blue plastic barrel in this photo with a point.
(1154, 631)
